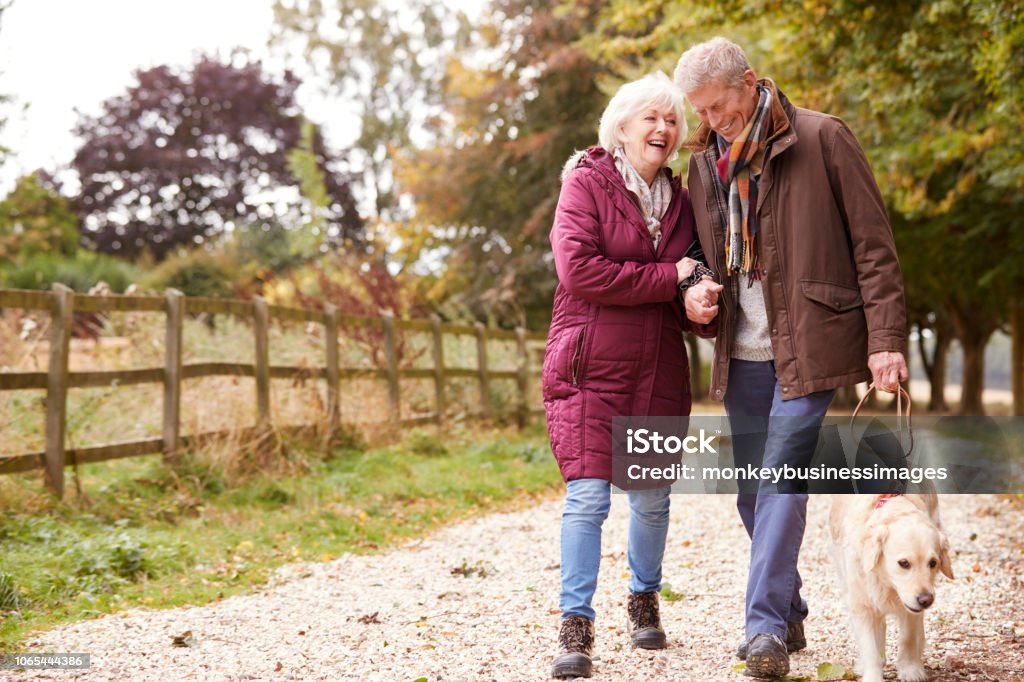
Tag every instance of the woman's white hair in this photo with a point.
(653, 90)
(718, 59)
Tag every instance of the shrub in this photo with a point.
(80, 272)
(194, 274)
(427, 444)
(118, 558)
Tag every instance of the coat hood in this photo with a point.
(583, 157)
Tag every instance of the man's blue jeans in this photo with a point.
(774, 521)
(587, 501)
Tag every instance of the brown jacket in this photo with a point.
(832, 284)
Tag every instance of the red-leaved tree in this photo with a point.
(187, 155)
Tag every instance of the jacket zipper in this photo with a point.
(577, 357)
(632, 199)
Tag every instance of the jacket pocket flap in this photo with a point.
(837, 297)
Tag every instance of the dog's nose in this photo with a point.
(925, 599)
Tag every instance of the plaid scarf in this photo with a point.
(739, 166)
(654, 199)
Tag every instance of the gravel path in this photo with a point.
(407, 614)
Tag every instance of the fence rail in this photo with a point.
(61, 302)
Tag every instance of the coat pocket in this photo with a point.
(576, 359)
(836, 297)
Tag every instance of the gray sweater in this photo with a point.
(752, 339)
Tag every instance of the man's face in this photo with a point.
(723, 108)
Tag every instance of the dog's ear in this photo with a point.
(871, 546)
(945, 565)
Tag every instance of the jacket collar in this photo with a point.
(599, 157)
(601, 160)
(782, 112)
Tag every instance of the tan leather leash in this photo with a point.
(901, 394)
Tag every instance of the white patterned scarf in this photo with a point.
(654, 199)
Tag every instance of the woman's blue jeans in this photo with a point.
(587, 501)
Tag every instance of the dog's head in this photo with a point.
(908, 556)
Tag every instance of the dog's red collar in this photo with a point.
(885, 498)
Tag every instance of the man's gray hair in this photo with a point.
(653, 90)
(718, 59)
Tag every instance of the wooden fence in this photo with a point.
(62, 303)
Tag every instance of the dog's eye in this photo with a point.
(933, 563)
(903, 563)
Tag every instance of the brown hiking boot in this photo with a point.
(645, 621)
(766, 657)
(795, 640)
(575, 648)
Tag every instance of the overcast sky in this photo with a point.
(56, 55)
(60, 55)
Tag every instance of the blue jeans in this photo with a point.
(774, 521)
(587, 501)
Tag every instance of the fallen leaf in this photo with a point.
(830, 671)
(185, 639)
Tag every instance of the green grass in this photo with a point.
(144, 535)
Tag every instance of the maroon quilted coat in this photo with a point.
(615, 346)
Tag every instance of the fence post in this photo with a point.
(61, 312)
(439, 387)
(333, 388)
(439, 390)
(522, 371)
(261, 326)
(390, 351)
(481, 365)
(175, 309)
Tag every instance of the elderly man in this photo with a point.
(792, 223)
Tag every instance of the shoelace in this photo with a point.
(643, 611)
(575, 635)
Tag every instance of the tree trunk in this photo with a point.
(937, 376)
(696, 368)
(973, 383)
(1017, 355)
(974, 323)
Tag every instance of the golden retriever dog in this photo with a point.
(889, 550)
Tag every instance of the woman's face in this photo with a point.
(649, 139)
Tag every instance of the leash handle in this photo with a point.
(901, 395)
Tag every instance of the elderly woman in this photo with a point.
(615, 348)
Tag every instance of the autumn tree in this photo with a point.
(34, 219)
(520, 99)
(186, 156)
(385, 62)
(935, 98)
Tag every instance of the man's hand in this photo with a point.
(888, 369)
(701, 301)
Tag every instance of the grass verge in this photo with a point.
(144, 535)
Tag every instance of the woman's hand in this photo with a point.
(684, 268)
(701, 300)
